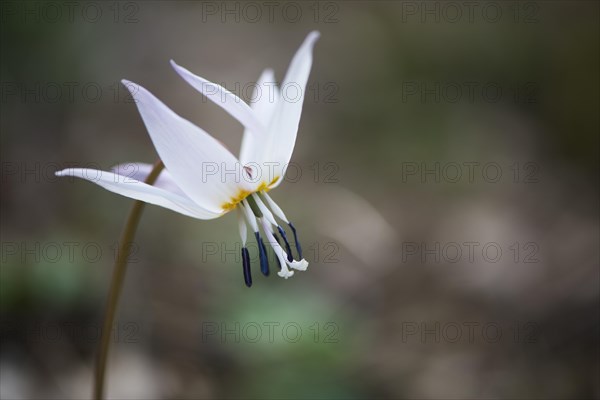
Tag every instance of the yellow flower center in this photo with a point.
(242, 194)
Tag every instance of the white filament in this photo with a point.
(242, 226)
(249, 216)
(268, 215)
(276, 209)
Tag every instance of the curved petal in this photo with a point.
(283, 128)
(224, 98)
(264, 100)
(265, 96)
(201, 166)
(140, 171)
(137, 190)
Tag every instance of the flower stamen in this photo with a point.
(282, 256)
(298, 248)
(245, 254)
(262, 253)
(287, 244)
(246, 266)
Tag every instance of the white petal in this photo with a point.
(265, 96)
(140, 171)
(224, 98)
(264, 99)
(137, 190)
(282, 131)
(205, 170)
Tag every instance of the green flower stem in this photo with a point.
(117, 282)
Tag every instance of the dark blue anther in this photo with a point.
(262, 253)
(264, 268)
(246, 267)
(298, 248)
(287, 244)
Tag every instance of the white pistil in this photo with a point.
(276, 209)
(282, 255)
(270, 225)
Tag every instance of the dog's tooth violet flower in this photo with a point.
(203, 180)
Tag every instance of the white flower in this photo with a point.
(202, 179)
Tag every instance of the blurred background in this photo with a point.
(445, 188)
